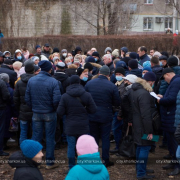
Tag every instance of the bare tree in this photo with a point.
(111, 16)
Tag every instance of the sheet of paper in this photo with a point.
(154, 95)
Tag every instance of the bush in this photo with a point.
(161, 42)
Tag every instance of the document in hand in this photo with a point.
(154, 95)
(155, 138)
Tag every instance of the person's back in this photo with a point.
(88, 171)
(105, 96)
(76, 103)
(44, 93)
(89, 165)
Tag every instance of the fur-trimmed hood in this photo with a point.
(50, 49)
(142, 83)
(96, 65)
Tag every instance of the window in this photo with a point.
(168, 22)
(147, 23)
(148, 1)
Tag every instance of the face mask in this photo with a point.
(64, 54)
(96, 59)
(19, 57)
(69, 63)
(119, 78)
(85, 79)
(143, 75)
(152, 86)
(161, 64)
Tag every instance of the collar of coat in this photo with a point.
(145, 84)
(44, 72)
(96, 65)
(118, 83)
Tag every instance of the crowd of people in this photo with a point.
(84, 97)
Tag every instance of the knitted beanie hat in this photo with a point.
(30, 148)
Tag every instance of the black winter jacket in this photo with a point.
(63, 78)
(143, 107)
(76, 122)
(25, 112)
(26, 169)
(4, 95)
(12, 74)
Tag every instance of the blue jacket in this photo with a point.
(168, 105)
(164, 84)
(76, 122)
(143, 59)
(137, 72)
(105, 95)
(84, 171)
(43, 93)
(177, 116)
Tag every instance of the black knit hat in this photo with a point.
(150, 76)
(95, 54)
(88, 66)
(163, 57)
(8, 61)
(79, 71)
(172, 61)
(133, 64)
(120, 70)
(56, 50)
(29, 68)
(74, 79)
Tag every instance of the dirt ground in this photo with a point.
(120, 171)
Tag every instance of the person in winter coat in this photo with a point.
(76, 103)
(96, 66)
(18, 56)
(17, 66)
(163, 61)
(63, 55)
(43, 95)
(38, 51)
(72, 70)
(27, 160)
(108, 50)
(61, 76)
(124, 50)
(118, 122)
(89, 66)
(142, 51)
(105, 96)
(46, 50)
(125, 112)
(157, 69)
(107, 59)
(7, 68)
(25, 112)
(142, 108)
(83, 75)
(10, 110)
(4, 98)
(133, 68)
(97, 58)
(87, 149)
(173, 63)
(168, 109)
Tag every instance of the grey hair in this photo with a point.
(4, 77)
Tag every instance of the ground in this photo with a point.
(119, 171)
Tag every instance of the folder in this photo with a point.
(155, 138)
